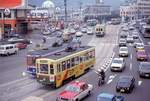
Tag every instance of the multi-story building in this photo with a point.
(13, 16)
(97, 11)
(135, 9)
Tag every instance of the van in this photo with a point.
(8, 49)
(100, 30)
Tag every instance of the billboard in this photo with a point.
(10, 3)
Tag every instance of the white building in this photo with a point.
(136, 9)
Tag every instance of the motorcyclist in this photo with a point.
(101, 73)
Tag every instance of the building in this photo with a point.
(13, 16)
(98, 11)
(135, 9)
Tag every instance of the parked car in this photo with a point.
(144, 69)
(46, 32)
(21, 45)
(109, 97)
(123, 51)
(8, 49)
(59, 34)
(141, 55)
(125, 84)
(18, 40)
(122, 42)
(75, 91)
(118, 64)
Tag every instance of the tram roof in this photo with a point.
(45, 52)
(64, 53)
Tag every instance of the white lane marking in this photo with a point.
(111, 77)
(141, 39)
(131, 56)
(130, 66)
(139, 83)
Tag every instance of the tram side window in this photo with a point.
(63, 65)
(58, 68)
(68, 63)
(86, 56)
(51, 69)
(81, 59)
(72, 62)
(76, 60)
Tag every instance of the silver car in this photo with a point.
(123, 51)
(144, 69)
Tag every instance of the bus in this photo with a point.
(92, 22)
(146, 31)
(115, 21)
(33, 55)
(100, 30)
(66, 65)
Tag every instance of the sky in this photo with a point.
(75, 3)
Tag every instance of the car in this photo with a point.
(131, 28)
(57, 43)
(75, 91)
(122, 42)
(72, 31)
(125, 84)
(144, 69)
(123, 51)
(90, 31)
(141, 55)
(118, 64)
(46, 32)
(130, 39)
(18, 40)
(109, 97)
(125, 28)
(8, 49)
(83, 30)
(123, 34)
(76, 40)
(79, 34)
(139, 46)
(21, 45)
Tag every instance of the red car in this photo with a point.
(141, 55)
(21, 45)
(75, 91)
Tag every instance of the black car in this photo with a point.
(125, 84)
(144, 69)
(57, 43)
(122, 42)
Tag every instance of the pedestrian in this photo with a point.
(44, 40)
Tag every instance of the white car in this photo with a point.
(8, 49)
(118, 64)
(83, 30)
(90, 31)
(130, 39)
(72, 31)
(75, 91)
(123, 51)
(46, 32)
(79, 34)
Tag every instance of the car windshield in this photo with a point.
(123, 49)
(72, 88)
(1, 48)
(117, 61)
(145, 66)
(141, 53)
(123, 40)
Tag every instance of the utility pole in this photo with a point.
(65, 4)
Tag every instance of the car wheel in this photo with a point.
(8, 54)
(117, 90)
(77, 100)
